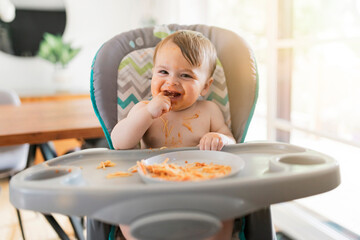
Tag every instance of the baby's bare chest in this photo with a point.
(177, 130)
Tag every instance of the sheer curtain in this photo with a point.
(309, 62)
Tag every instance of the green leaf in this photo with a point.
(55, 50)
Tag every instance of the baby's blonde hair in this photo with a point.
(194, 46)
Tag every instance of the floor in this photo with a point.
(35, 225)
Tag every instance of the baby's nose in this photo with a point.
(172, 80)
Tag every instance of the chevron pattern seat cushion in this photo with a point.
(134, 81)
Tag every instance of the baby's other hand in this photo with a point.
(212, 141)
(159, 105)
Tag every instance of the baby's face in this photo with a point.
(176, 78)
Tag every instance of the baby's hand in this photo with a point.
(159, 105)
(212, 141)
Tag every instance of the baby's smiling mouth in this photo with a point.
(171, 94)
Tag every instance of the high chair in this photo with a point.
(121, 75)
(272, 172)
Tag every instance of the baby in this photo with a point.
(184, 63)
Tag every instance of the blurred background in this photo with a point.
(308, 56)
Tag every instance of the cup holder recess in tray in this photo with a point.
(198, 225)
(295, 161)
(53, 172)
(302, 159)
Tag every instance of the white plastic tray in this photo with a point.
(273, 173)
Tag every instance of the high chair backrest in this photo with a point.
(110, 88)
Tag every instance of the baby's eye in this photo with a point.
(163, 72)
(186, 75)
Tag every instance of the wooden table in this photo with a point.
(39, 122)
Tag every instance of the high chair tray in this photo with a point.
(72, 185)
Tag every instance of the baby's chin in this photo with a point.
(176, 107)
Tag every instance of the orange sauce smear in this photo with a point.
(196, 115)
(188, 126)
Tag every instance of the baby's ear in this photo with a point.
(206, 86)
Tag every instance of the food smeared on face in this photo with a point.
(171, 94)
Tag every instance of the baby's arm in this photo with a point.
(219, 134)
(129, 131)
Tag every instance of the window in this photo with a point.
(308, 55)
(248, 19)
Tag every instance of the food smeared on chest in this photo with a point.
(167, 130)
(196, 115)
(188, 126)
(172, 138)
(187, 121)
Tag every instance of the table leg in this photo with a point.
(48, 151)
(78, 227)
(60, 232)
(31, 155)
(20, 223)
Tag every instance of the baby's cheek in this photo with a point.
(154, 89)
(154, 93)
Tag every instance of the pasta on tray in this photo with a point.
(195, 171)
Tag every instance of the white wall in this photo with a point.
(89, 24)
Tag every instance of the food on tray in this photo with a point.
(129, 172)
(106, 164)
(118, 174)
(190, 172)
(133, 169)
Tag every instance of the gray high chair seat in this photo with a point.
(241, 76)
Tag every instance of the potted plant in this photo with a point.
(53, 49)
